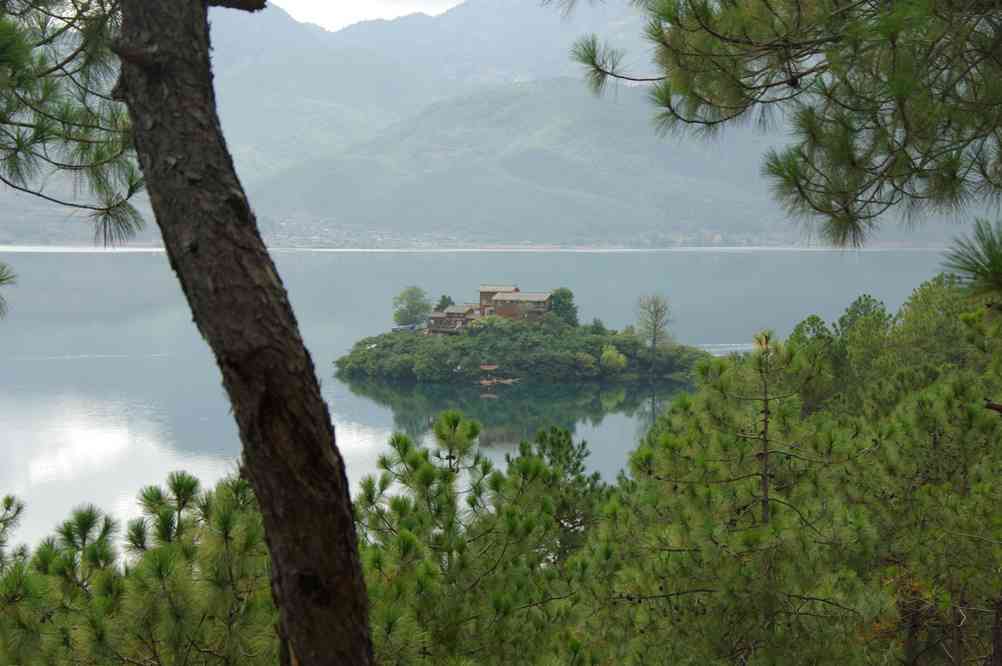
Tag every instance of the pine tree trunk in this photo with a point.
(241, 308)
(996, 656)
(764, 452)
(911, 639)
(959, 647)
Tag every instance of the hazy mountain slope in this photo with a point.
(290, 92)
(543, 162)
(287, 92)
(494, 41)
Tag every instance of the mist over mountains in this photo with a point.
(469, 128)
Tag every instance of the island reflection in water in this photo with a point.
(509, 414)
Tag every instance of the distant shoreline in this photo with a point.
(540, 249)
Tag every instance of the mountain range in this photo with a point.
(469, 128)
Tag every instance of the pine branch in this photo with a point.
(994, 406)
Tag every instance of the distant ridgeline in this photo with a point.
(513, 337)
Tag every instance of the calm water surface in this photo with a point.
(106, 386)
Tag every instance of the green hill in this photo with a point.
(542, 162)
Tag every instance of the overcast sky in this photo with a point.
(335, 14)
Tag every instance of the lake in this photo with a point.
(106, 385)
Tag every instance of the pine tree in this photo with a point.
(977, 259)
(194, 588)
(562, 305)
(11, 509)
(892, 105)
(242, 309)
(56, 112)
(932, 485)
(729, 543)
(467, 564)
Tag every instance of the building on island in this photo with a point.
(521, 304)
(489, 291)
(454, 318)
(506, 301)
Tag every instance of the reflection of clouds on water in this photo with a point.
(360, 445)
(81, 449)
(72, 450)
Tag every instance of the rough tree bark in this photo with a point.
(241, 308)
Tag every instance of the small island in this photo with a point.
(510, 335)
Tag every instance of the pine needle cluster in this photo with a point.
(57, 115)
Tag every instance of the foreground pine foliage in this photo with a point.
(193, 589)
(830, 499)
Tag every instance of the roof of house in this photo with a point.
(498, 287)
(437, 315)
(522, 296)
(460, 309)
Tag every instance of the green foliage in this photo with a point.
(562, 305)
(727, 544)
(7, 278)
(57, 115)
(612, 361)
(466, 561)
(11, 509)
(194, 588)
(444, 302)
(546, 351)
(411, 306)
(653, 317)
(890, 104)
(934, 472)
(598, 327)
(872, 359)
(977, 260)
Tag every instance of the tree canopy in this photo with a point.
(443, 302)
(411, 306)
(891, 105)
(546, 351)
(562, 305)
(653, 317)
